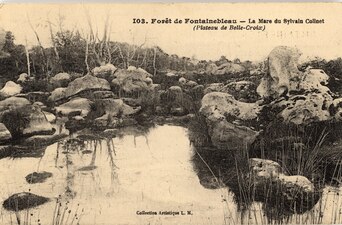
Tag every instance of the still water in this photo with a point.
(132, 178)
(120, 177)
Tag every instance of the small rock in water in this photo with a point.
(39, 177)
(87, 151)
(24, 200)
(87, 168)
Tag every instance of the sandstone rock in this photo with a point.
(57, 94)
(211, 68)
(37, 122)
(216, 104)
(314, 80)
(305, 109)
(81, 105)
(296, 192)
(114, 111)
(117, 107)
(225, 68)
(25, 120)
(229, 68)
(171, 74)
(23, 78)
(149, 81)
(222, 112)
(191, 84)
(229, 136)
(10, 89)
(141, 70)
(50, 117)
(105, 71)
(264, 170)
(182, 80)
(283, 76)
(133, 80)
(13, 103)
(175, 89)
(82, 84)
(131, 68)
(60, 80)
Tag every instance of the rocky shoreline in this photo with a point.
(288, 110)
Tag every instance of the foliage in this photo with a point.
(71, 48)
(15, 63)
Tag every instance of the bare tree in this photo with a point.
(53, 39)
(99, 47)
(154, 61)
(40, 45)
(27, 58)
(86, 55)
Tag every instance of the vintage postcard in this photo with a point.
(184, 113)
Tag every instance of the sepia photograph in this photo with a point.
(170, 113)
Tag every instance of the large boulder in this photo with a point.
(26, 120)
(50, 117)
(13, 103)
(228, 120)
(57, 94)
(79, 85)
(105, 71)
(294, 96)
(115, 112)
(283, 76)
(226, 68)
(23, 78)
(296, 192)
(218, 105)
(5, 135)
(76, 106)
(132, 80)
(37, 122)
(304, 109)
(10, 89)
(116, 107)
(60, 80)
(314, 80)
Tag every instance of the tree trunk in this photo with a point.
(27, 59)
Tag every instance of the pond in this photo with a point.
(141, 176)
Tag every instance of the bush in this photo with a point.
(37, 85)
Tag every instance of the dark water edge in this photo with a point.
(216, 170)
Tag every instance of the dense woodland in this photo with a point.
(72, 53)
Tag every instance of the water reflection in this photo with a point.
(114, 174)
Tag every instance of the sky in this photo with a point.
(323, 40)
